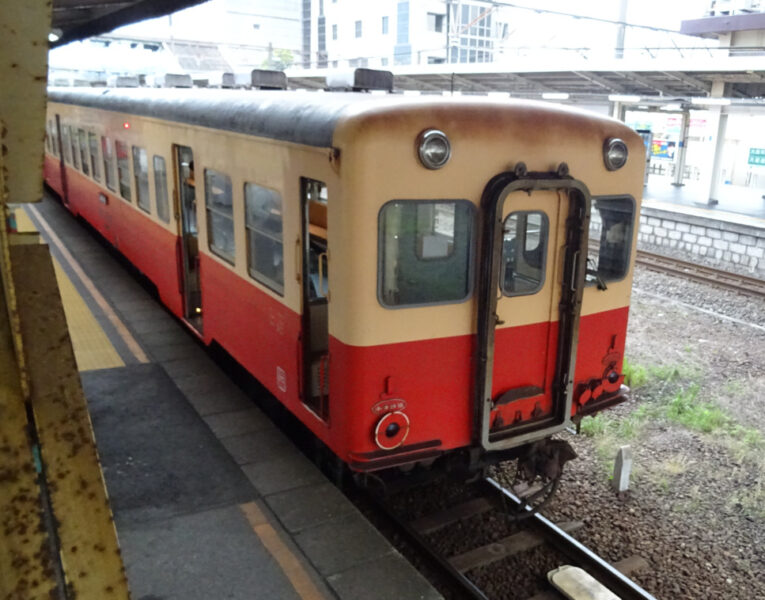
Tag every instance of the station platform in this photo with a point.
(732, 200)
(210, 499)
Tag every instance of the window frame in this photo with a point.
(257, 275)
(109, 159)
(84, 149)
(95, 167)
(129, 173)
(474, 232)
(165, 200)
(208, 221)
(66, 144)
(74, 145)
(543, 266)
(633, 205)
(145, 207)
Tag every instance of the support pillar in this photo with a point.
(682, 149)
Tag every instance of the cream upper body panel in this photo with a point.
(379, 163)
(269, 163)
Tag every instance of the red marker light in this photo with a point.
(126, 125)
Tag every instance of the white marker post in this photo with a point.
(622, 468)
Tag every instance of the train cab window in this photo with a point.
(220, 216)
(524, 253)
(84, 154)
(94, 163)
(141, 174)
(318, 258)
(263, 221)
(612, 224)
(108, 154)
(425, 252)
(160, 188)
(75, 151)
(66, 144)
(123, 169)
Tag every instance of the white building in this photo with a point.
(383, 33)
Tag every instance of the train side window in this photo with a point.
(94, 164)
(141, 174)
(220, 216)
(75, 151)
(425, 252)
(54, 139)
(50, 140)
(123, 169)
(263, 221)
(84, 155)
(66, 144)
(108, 154)
(160, 188)
(524, 253)
(612, 224)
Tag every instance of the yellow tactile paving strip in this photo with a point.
(92, 348)
(23, 222)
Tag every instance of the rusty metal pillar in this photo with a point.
(57, 537)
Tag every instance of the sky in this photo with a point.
(203, 22)
(533, 34)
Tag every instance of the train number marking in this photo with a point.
(281, 379)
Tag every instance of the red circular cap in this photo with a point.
(391, 430)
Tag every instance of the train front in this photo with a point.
(482, 281)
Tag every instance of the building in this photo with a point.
(383, 33)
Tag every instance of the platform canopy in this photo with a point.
(79, 19)
(662, 80)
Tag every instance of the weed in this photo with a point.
(635, 376)
(593, 426)
(686, 409)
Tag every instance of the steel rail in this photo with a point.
(553, 535)
(599, 568)
(744, 284)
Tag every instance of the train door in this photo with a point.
(315, 285)
(187, 250)
(62, 164)
(532, 277)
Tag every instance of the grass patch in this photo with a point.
(686, 409)
(635, 376)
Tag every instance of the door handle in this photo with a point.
(298, 259)
(574, 268)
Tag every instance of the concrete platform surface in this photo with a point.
(211, 501)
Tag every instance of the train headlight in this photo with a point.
(391, 430)
(615, 154)
(434, 148)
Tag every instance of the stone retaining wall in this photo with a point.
(723, 243)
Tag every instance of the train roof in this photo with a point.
(308, 118)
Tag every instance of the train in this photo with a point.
(432, 282)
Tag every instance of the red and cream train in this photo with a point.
(413, 278)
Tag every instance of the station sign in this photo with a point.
(757, 157)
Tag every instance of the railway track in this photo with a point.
(530, 531)
(743, 284)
